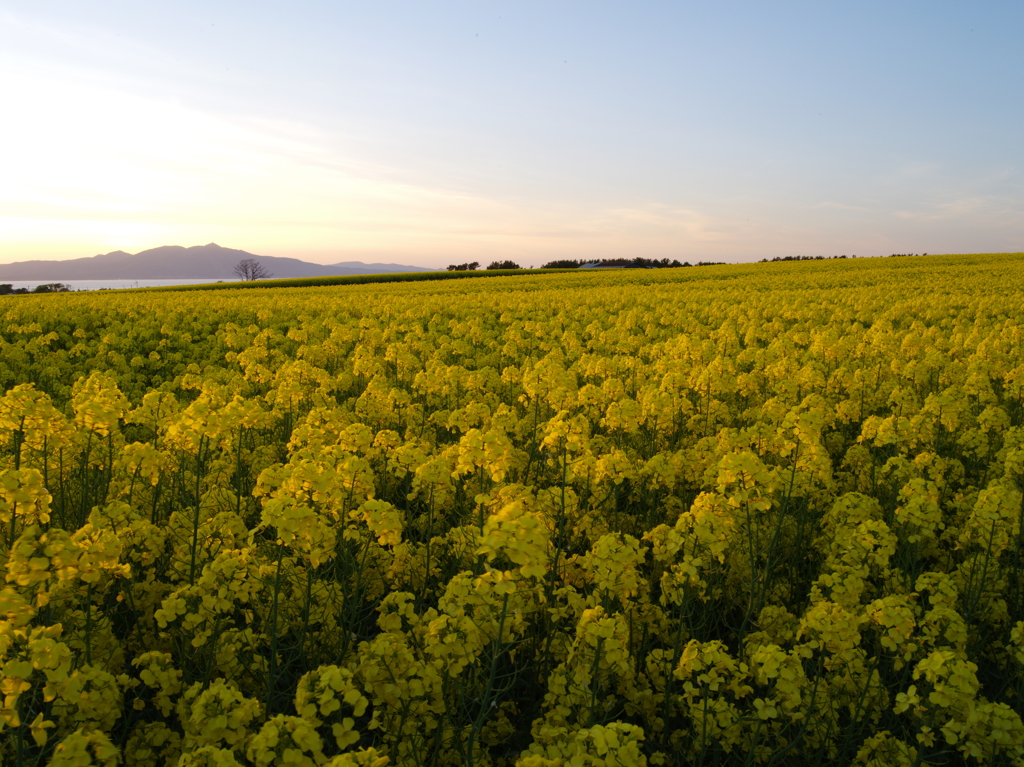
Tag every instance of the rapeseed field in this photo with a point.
(732, 515)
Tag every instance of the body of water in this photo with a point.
(106, 284)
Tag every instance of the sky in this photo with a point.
(429, 133)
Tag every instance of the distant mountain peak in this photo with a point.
(198, 262)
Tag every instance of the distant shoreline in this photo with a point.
(91, 285)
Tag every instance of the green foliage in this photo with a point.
(733, 516)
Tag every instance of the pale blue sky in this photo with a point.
(429, 132)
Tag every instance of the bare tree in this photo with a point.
(249, 269)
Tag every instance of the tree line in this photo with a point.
(827, 258)
(625, 263)
(568, 263)
(8, 289)
(474, 265)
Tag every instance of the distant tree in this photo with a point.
(6, 289)
(51, 287)
(563, 264)
(471, 266)
(249, 269)
(504, 265)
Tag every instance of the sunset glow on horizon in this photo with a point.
(396, 133)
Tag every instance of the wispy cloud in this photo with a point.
(118, 170)
(372, 139)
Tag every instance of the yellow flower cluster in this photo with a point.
(750, 515)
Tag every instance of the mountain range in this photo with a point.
(174, 262)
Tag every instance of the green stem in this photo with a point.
(19, 439)
(594, 670)
(485, 702)
(88, 624)
(195, 519)
(272, 663)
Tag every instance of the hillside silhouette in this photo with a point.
(175, 262)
